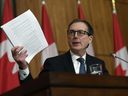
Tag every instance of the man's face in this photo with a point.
(78, 38)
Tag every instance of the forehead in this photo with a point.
(78, 26)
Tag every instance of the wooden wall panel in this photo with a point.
(61, 13)
(122, 7)
(102, 22)
(97, 12)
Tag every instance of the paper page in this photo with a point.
(25, 31)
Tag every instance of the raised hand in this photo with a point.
(19, 54)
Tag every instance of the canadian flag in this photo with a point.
(81, 15)
(121, 67)
(8, 68)
(51, 50)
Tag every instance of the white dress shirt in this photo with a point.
(23, 73)
(76, 63)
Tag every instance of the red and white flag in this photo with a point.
(51, 50)
(81, 15)
(121, 67)
(8, 68)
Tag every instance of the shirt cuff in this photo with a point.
(23, 73)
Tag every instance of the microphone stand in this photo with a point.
(114, 55)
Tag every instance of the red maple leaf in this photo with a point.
(8, 80)
(119, 71)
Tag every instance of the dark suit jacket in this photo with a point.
(63, 63)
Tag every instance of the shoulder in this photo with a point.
(58, 58)
(93, 59)
(56, 63)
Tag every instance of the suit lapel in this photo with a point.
(89, 61)
(68, 62)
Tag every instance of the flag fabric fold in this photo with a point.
(121, 67)
(81, 15)
(51, 50)
(8, 68)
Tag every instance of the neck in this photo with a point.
(79, 53)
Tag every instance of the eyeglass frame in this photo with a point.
(79, 32)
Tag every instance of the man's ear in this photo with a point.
(89, 42)
(90, 39)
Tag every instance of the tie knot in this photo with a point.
(81, 60)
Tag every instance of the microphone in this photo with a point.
(114, 55)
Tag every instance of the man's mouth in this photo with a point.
(75, 43)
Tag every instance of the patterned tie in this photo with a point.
(83, 67)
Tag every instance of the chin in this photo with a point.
(76, 48)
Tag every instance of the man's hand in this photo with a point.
(19, 56)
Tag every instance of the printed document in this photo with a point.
(24, 30)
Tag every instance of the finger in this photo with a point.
(18, 49)
(21, 56)
(15, 51)
(23, 52)
(14, 48)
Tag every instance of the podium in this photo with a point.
(69, 84)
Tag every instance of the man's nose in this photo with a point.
(75, 34)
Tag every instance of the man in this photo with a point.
(76, 60)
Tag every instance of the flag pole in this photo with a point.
(78, 1)
(51, 50)
(114, 6)
(43, 2)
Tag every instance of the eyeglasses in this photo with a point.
(79, 32)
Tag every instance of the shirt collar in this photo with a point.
(75, 57)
